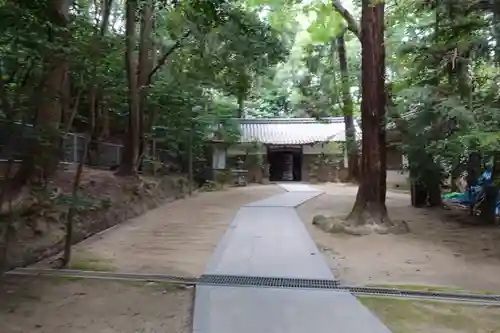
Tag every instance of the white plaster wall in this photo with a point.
(241, 149)
(397, 177)
(312, 150)
(319, 148)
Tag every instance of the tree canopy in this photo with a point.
(132, 70)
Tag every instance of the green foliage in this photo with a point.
(216, 50)
(277, 56)
(82, 204)
(267, 98)
(308, 82)
(333, 148)
(327, 25)
(443, 77)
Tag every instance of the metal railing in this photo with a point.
(101, 155)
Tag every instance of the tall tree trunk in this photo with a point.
(350, 138)
(43, 157)
(151, 118)
(104, 130)
(424, 173)
(370, 208)
(145, 66)
(129, 161)
(106, 12)
(5, 228)
(95, 117)
(496, 29)
(241, 105)
(93, 145)
(74, 200)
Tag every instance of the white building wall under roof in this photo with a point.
(311, 134)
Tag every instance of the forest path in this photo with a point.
(267, 239)
(177, 238)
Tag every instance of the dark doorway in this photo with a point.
(285, 163)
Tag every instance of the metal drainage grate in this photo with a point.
(280, 282)
(103, 275)
(422, 294)
(261, 281)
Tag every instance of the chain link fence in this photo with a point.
(103, 155)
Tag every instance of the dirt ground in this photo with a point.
(177, 238)
(55, 305)
(439, 250)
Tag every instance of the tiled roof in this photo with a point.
(293, 130)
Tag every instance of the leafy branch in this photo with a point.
(352, 23)
(165, 56)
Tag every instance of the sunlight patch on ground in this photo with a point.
(89, 262)
(410, 316)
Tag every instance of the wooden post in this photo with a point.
(190, 160)
(194, 113)
(75, 148)
(155, 158)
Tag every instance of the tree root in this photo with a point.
(352, 226)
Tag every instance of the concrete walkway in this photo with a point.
(268, 239)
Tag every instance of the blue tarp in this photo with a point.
(475, 192)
